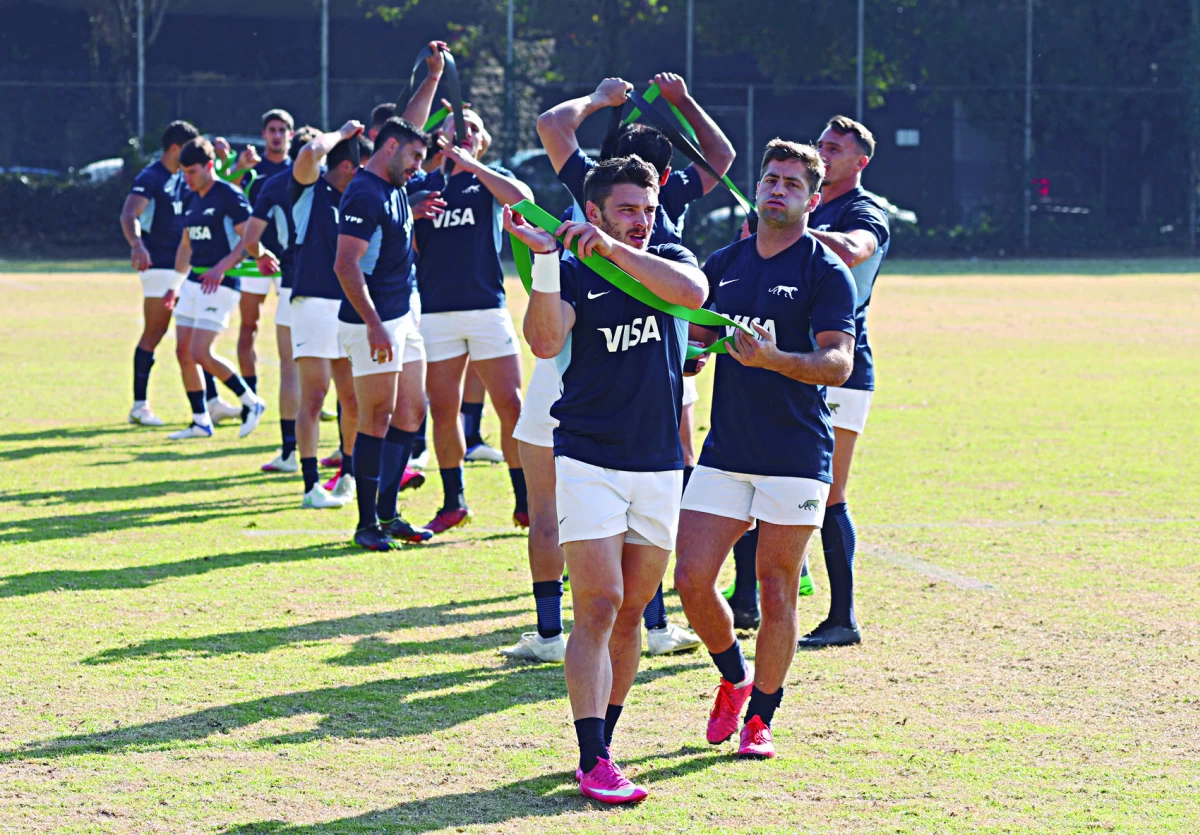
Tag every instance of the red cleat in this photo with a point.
(448, 518)
(756, 740)
(521, 518)
(607, 784)
(412, 479)
(731, 700)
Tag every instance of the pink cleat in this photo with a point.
(607, 784)
(411, 480)
(756, 740)
(727, 709)
(448, 518)
(332, 483)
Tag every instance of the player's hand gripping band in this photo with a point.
(453, 91)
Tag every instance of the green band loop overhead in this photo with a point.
(652, 93)
(224, 170)
(620, 279)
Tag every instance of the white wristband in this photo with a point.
(545, 273)
(182, 276)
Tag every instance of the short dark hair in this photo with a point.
(781, 149)
(304, 135)
(196, 152)
(280, 115)
(599, 182)
(341, 151)
(402, 131)
(647, 142)
(178, 133)
(382, 113)
(845, 126)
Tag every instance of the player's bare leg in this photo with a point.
(501, 378)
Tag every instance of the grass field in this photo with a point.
(182, 649)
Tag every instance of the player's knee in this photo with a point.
(183, 353)
(508, 408)
(596, 607)
(777, 597)
(686, 581)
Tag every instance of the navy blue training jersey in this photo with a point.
(265, 171)
(762, 422)
(622, 375)
(274, 205)
(374, 210)
(673, 198)
(162, 219)
(458, 267)
(209, 222)
(315, 220)
(857, 209)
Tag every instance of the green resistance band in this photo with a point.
(246, 269)
(652, 93)
(620, 279)
(436, 119)
(231, 176)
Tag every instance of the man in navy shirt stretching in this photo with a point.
(618, 458)
(768, 456)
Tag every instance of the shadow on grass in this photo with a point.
(66, 433)
(144, 576)
(387, 709)
(365, 651)
(132, 492)
(184, 454)
(553, 794)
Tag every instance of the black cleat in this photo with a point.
(745, 618)
(829, 634)
(373, 539)
(401, 531)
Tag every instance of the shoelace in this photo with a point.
(722, 696)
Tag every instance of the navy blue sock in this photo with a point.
(763, 705)
(547, 596)
(196, 399)
(804, 568)
(472, 419)
(234, 384)
(731, 663)
(397, 448)
(367, 449)
(453, 497)
(210, 386)
(308, 466)
(517, 477)
(420, 443)
(611, 715)
(347, 463)
(745, 566)
(142, 362)
(590, 733)
(252, 383)
(839, 538)
(287, 431)
(687, 475)
(341, 439)
(655, 615)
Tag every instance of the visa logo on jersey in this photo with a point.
(767, 325)
(637, 332)
(454, 217)
(199, 233)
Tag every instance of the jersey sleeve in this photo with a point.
(146, 184)
(568, 274)
(417, 183)
(295, 188)
(266, 200)
(714, 268)
(238, 208)
(573, 172)
(682, 187)
(676, 253)
(834, 300)
(866, 214)
(360, 214)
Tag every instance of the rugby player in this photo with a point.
(213, 223)
(768, 456)
(618, 459)
(463, 315)
(557, 128)
(277, 131)
(271, 223)
(378, 329)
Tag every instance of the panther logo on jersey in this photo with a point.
(199, 233)
(781, 290)
(471, 189)
(637, 332)
(210, 211)
(454, 217)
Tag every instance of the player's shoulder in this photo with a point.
(155, 174)
(674, 252)
(863, 202)
(738, 249)
(821, 259)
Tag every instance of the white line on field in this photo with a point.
(347, 534)
(1035, 523)
(926, 568)
(18, 285)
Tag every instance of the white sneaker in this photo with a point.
(143, 416)
(483, 452)
(345, 490)
(533, 647)
(419, 462)
(219, 410)
(318, 498)
(291, 464)
(671, 638)
(253, 417)
(327, 415)
(193, 431)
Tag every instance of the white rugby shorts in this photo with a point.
(595, 502)
(535, 426)
(848, 408)
(260, 285)
(407, 345)
(780, 500)
(205, 311)
(156, 282)
(484, 334)
(690, 393)
(283, 312)
(315, 328)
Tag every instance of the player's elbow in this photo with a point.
(543, 346)
(691, 294)
(841, 369)
(549, 125)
